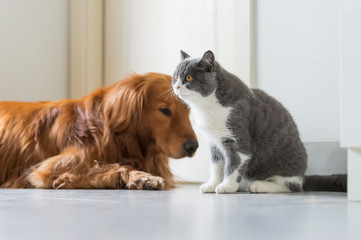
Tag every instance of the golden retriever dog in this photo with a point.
(117, 137)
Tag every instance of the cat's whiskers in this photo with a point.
(169, 91)
(174, 95)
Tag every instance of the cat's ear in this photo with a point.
(207, 62)
(184, 55)
(208, 57)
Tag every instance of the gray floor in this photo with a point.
(182, 213)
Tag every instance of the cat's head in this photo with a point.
(195, 78)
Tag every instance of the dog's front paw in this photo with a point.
(227, 187)
(149, 183)
(64, 181)
(208, 187)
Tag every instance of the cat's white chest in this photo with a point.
(211, 118)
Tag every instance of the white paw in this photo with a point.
(227, 187)
(267, 187)
(208, 187)
(257, 187)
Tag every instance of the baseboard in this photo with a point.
(326, 158)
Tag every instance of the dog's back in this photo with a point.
(22, 132)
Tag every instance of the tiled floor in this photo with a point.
(182, 213)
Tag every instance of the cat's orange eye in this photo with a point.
(188, 78)
(176, 78)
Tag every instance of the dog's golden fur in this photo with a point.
(117, 137)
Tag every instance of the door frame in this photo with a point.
(86, 46)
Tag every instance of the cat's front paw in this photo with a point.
(208, 187)
(227, 187)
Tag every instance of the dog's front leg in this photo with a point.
(44, 174)
(73, 169)
(103, 175)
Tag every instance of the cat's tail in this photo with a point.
(329, 183)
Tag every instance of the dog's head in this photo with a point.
(160, 118)
(167, 118)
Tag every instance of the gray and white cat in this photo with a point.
(250, 134)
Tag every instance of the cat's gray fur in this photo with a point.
(261, 127)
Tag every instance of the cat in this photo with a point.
(251, 135)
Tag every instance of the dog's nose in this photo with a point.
(190, 146)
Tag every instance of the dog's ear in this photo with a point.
(184, 55)
(125, 103)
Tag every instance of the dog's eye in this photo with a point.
(165, 111)
(189, 78)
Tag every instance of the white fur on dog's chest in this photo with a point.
(211, 118)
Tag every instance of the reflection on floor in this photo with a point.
(181, 213)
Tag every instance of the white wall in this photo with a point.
(146, 36)
(33, 50)
(298, 62)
